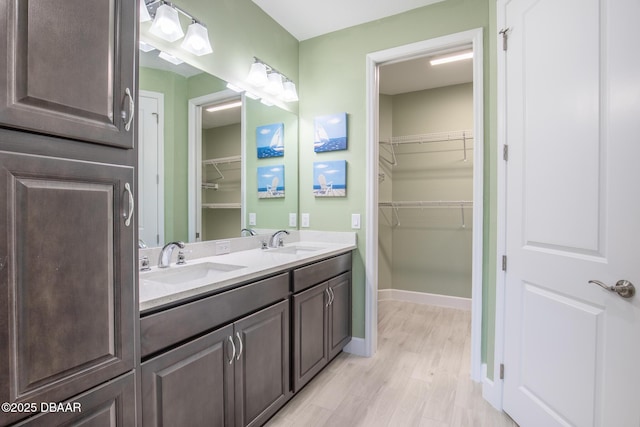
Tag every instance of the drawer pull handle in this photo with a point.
(240, 345)
(233, 347)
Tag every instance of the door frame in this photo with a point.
(194, 200)
(159, 97)
(474, 38)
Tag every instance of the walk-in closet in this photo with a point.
(426, 184)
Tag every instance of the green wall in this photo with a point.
(333, 79)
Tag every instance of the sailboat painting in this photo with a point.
(270, 182)
(330, 133)
(270, 140)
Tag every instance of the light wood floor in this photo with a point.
(418, 377)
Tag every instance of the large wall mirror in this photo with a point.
(201, 173)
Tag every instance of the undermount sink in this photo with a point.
(296, 250)
(189, 273)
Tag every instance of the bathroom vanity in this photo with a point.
(233, 348)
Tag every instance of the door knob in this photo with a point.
(624, 288)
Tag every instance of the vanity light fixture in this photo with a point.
(452, 58)
(197, 39)
(265, 77)
(274, 85)
(258, 74)
(290, 94)
(166, 24)
(226, 106)
(144, 12)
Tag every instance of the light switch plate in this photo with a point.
(305, 220)
(355, 221)
(252, 218)
(293, 219)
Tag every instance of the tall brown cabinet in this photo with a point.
(68, 298)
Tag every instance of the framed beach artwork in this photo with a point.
(330, 133)
(330, 178)
(270, 181)
(270, 140)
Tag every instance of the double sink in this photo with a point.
(208, 272)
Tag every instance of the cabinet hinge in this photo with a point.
(505, 152)
(502, 371)
(504, 33)
(157, 238)
(504, 263)
(197, 235)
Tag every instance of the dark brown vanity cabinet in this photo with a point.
(68, 68)
(237, 375)
(321, 316)
(68, 232)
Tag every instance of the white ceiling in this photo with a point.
(305, 19)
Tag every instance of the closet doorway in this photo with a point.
(425, 159)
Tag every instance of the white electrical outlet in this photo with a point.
(252, 218)
(293, 219)
(223, 247)
(355, 221)
(305, 220)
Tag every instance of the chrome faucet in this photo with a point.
(276, 240)
(247, 231)
(165, 254)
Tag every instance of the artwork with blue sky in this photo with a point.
(270, 181)
(330, 133)
(330, 178)
(270, 140)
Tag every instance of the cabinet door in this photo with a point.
(67, 278)
(65, 67)
(310, 349)
(262, 365)
(339, 314)
(191, 385)
(109, 405)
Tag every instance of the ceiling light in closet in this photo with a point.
(452, 58)
(222, 107)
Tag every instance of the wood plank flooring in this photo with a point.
(418, 377)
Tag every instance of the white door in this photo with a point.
(150, 159)
(572, 349)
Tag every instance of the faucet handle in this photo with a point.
(182, 259)
(280, 242)
(144, 264)
(263, 244)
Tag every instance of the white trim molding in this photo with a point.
(472, 38)
(356, 347)
(425, 298)
(491, 391)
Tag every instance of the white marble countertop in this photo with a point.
(243, 265)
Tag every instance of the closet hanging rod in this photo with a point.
(461, 135)
(427, 204)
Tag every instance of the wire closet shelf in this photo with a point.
(426, 138)
(426, 204)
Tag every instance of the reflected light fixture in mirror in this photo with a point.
(271, 81)
(166, 24)
(197, 40)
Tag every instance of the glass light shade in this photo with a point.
(197, 40)
(257, 74)
(290, 94)
(274, 85)
(144, 12)
(166, 24)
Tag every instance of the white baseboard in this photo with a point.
(356, 346)
(425, 298)
(491, 392)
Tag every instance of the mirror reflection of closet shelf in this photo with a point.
(218, 162)
(458, 136)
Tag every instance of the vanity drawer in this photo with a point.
(166, 328)
(319, 272)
